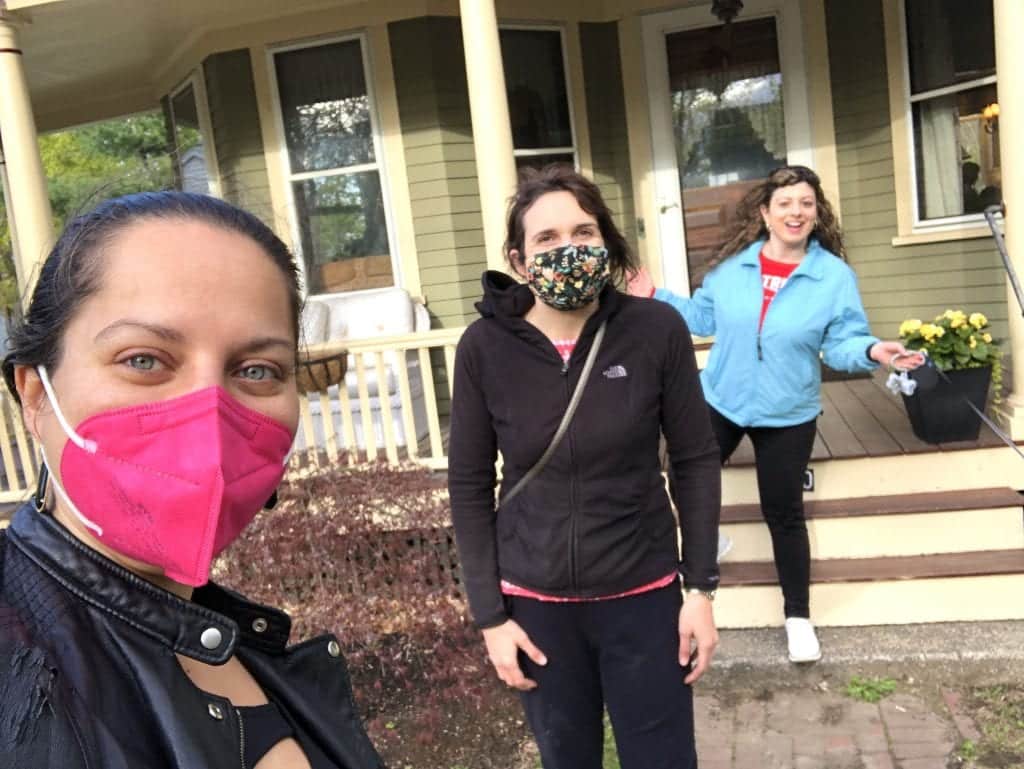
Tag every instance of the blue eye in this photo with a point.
(142, 362)
(257, 373)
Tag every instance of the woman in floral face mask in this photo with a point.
(155, 369)
(574, 578)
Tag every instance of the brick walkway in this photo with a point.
(814, 729)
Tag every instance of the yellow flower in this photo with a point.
(910, 326)
(957, 321)
(929, 331)
(978, 320)
(973, 342)
(987, 338)
(948, 315)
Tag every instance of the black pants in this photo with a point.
(621, 653)
(781, 454)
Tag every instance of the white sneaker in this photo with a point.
(724, 544)
(802, 640)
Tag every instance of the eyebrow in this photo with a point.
(551, 230)
(173, 335)
(163, 332)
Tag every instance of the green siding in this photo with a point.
(433, 105)
(906, 281)
(606, 121)
(238, 141)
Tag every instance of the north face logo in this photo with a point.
(615, 372)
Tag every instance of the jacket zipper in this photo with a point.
(573, 554)
(241, 737)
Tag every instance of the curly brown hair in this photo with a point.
(748, 225)
(561, 177)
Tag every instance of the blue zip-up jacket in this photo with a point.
(772, 378)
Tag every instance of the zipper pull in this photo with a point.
(565, 367)
(759, 355)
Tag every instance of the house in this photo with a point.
(382, 140)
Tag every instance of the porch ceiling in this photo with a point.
(87, 60)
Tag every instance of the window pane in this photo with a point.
(957, 154)
(728, 122)
(344, 232)
(949, 41)
(538, 105)
(539, 161)
(325, 107)
(189, 156)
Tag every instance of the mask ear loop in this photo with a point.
(75, 438)
(83, 443)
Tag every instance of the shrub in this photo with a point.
(366, 552)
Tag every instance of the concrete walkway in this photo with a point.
(757, 711)
(790, 729)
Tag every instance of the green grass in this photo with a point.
(870, 689)
(611, 755)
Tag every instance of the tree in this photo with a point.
(88, 164)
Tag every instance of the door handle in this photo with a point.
(668, 207)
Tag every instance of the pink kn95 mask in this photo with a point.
(171, 483)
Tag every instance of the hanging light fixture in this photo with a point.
(726, 10)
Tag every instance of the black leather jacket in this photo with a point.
(89, 677)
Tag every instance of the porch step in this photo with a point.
(946, 587)
(947, 468)
(889, 525)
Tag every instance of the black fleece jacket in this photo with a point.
(597, 520)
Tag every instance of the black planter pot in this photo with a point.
(940, 415)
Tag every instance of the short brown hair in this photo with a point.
(561, 177)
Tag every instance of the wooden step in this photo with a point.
(952, 587)
(890, 525)
(918, 473)
(967, 564)
(890, 504)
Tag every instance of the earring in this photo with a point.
(39, 502)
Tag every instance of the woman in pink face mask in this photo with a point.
(155, 368)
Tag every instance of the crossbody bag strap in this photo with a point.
(563, 427)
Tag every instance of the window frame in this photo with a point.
(288, 177)
(574, 149)
(197, 81)
(911, 227)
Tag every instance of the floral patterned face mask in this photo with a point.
(568, 277)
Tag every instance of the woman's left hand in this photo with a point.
(884, 352)
(696, 623)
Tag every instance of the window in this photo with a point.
(334, 167)
(950, 48)
(192, 172)
(538, 96)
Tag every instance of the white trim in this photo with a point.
(539, 151)
(545, 151)
(919, 226)
(951, 89)
(379, 164)
(665, 164)
(197, 82)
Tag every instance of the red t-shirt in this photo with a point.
(773, 277)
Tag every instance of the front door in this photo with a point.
(728, 104)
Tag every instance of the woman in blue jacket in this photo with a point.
(779, 299)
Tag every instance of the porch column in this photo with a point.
(1009, 20)
(28, 202)
(492, 131)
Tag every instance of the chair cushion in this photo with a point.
(313, 322)
(371, 313)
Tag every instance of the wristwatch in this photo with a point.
(709, 594)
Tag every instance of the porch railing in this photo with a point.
(18, 453)
(393, 406)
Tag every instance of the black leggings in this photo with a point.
(781, 454)
(622, 654)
